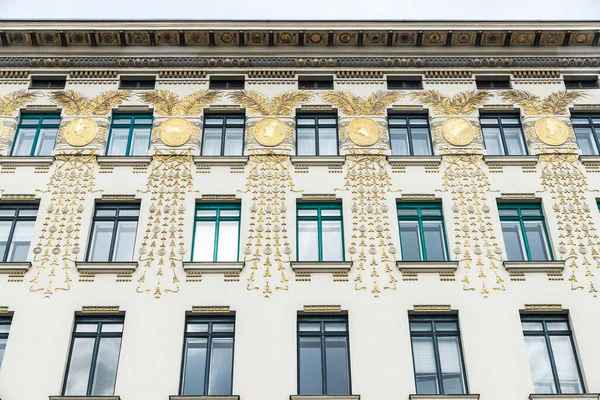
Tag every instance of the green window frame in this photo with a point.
(138, 126)
(224, 218)
(329, 214)
(521, 223)
(46, 129)
(418, 223)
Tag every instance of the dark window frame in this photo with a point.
(486, 82)
(4, 335)
(316, 126)
(402, 82)
(224, 125)
(303, 82)
(16, 218)
(396, 116)
(116, 219)
(501, 127)
(579, 82)
(132, 125)
(36, 80)
(213, 85)
(217, 219)
(419, 206)
(125, 82)
(520, 218)
(320, 218)
(593, 126)
(39, 126)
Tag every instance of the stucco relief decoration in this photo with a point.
(9, 105)
(371, 247)
(59, 243)
(476, 247)
(564, 179)
(268, 249)
(162, 248)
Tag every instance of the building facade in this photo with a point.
(272, 210)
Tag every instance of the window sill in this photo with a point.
(583, 396)
(325, 397)
(25, 160)
(207, 397)
(124, 160)
(213, 267)
(107, 267)
(14, 267)
(511, 160)
(443, 396)
(589, 160)
(318, 160)
(221, 160)
(85, 397)
(415, 160)
(534, 266)
(411, 269)
(316, 267)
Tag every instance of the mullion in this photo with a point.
(551, 356)
(10, 235)
(208, 356)
(36, 137)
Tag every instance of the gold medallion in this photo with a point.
(175, 132)
(458, 131)
(363, 131)
(551, 131)
(81, 131)
(269, 132)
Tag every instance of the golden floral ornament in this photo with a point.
(269, 132)
(551, 131)
(76, 103)
(81, 132)
(458, 131)
(175, 132)
(363, 131)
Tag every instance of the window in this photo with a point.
(404, 82)
(581, 82)
(503, 134)
(524, 232)
(113, 232)
(315, 83)
(207, 357)
(323, 356)
(552, 356)
(223, 135)
(129, 135)
(36, 135)
(437, 355)
(320, 232)
(137, 83)
(94, 357)
(409, 134)
(422, 235)
(226, 83)
(493, 82)
(4, 329)
(316, 135)
(48, 82)
(217, 232)
(16, 229)
(587, 132)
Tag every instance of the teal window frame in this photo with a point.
(521, 219)
(38, 127)
(133, 124)
(319, 218)
(420, 218)
(217, 219)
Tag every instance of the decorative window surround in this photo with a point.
(27, 160)
(443, 396)
(582, 396)
(325, 397)
(209, 267)
(107, 267)
(518, 269)
(318, 160)
(209, 397)
(411, 269)
(415, 160)
(85, 397)
(124, 160)
(221, 160)
(14, 267)
(511, 160)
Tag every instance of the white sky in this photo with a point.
(302, 9)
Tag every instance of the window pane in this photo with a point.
(213, 121)
(335, 327)
(308, 241)
(228, 241)
(532, 326)
(195, 366)
(125, 241)
(425, 368)
(327, 121)
(30, 121)
(45, 143)
(21, 239)
(206, 213)
(420, 326)
(101, 239)
(133, 212)
(399, 138)
(234, 142)
(337, 368)
(197, 327)
(105, 373)
(307, 213)
(488, 121)
(514, 141)
(306, 145)
(310, 366)
(409, 241)
(79, 367)
(451, 365)
(305, 121)
(332, 240)
(10, 212)
(28, 212)
(24, 142)
(531, 212)
(204, 241)
(493, 141)
(328, 142)
(2, 349)
(566, 364)
(112, 328)
(414, 121)
(431, 212)
(118, 142)
(446, 326)
(86, 328)
(229, 213)
(420, 142)
(586, 141)
(330, 213)
(235, 121)
(511, 232)
(539, 363)
(219, 327)
(309, 327)
(104, 212)
(140, 142)
(536, 238)
(408, 212)
(433, 234)
(557, 326)
(221, 366)
(508, 212)
(4, 234)
(212, 142)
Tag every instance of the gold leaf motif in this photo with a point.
(555, 104)
(167, 103)
(75, 103)
(284, 103)
(258, 103)
(11, 102)
(351, 104)
(463, 103)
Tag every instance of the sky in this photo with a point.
(303, 9)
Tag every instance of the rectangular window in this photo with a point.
(94, 356)
(524, 232)
(437, 355)
(207, 357)
(493, 82)
(226, 83)
(404, 83)
(137, 83)
(48, 82)
(216, 232)
(587, 132)
(4, 329)
(129, 135)
(317, 135)
(223, 135)
(552, 356)
(409, 134)
(17, 222)
(320, 232)
(113, 232)
(36, 135)
(581, 82)
(503, 134)
(323, 356)
(315, 83)
(422, 234)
